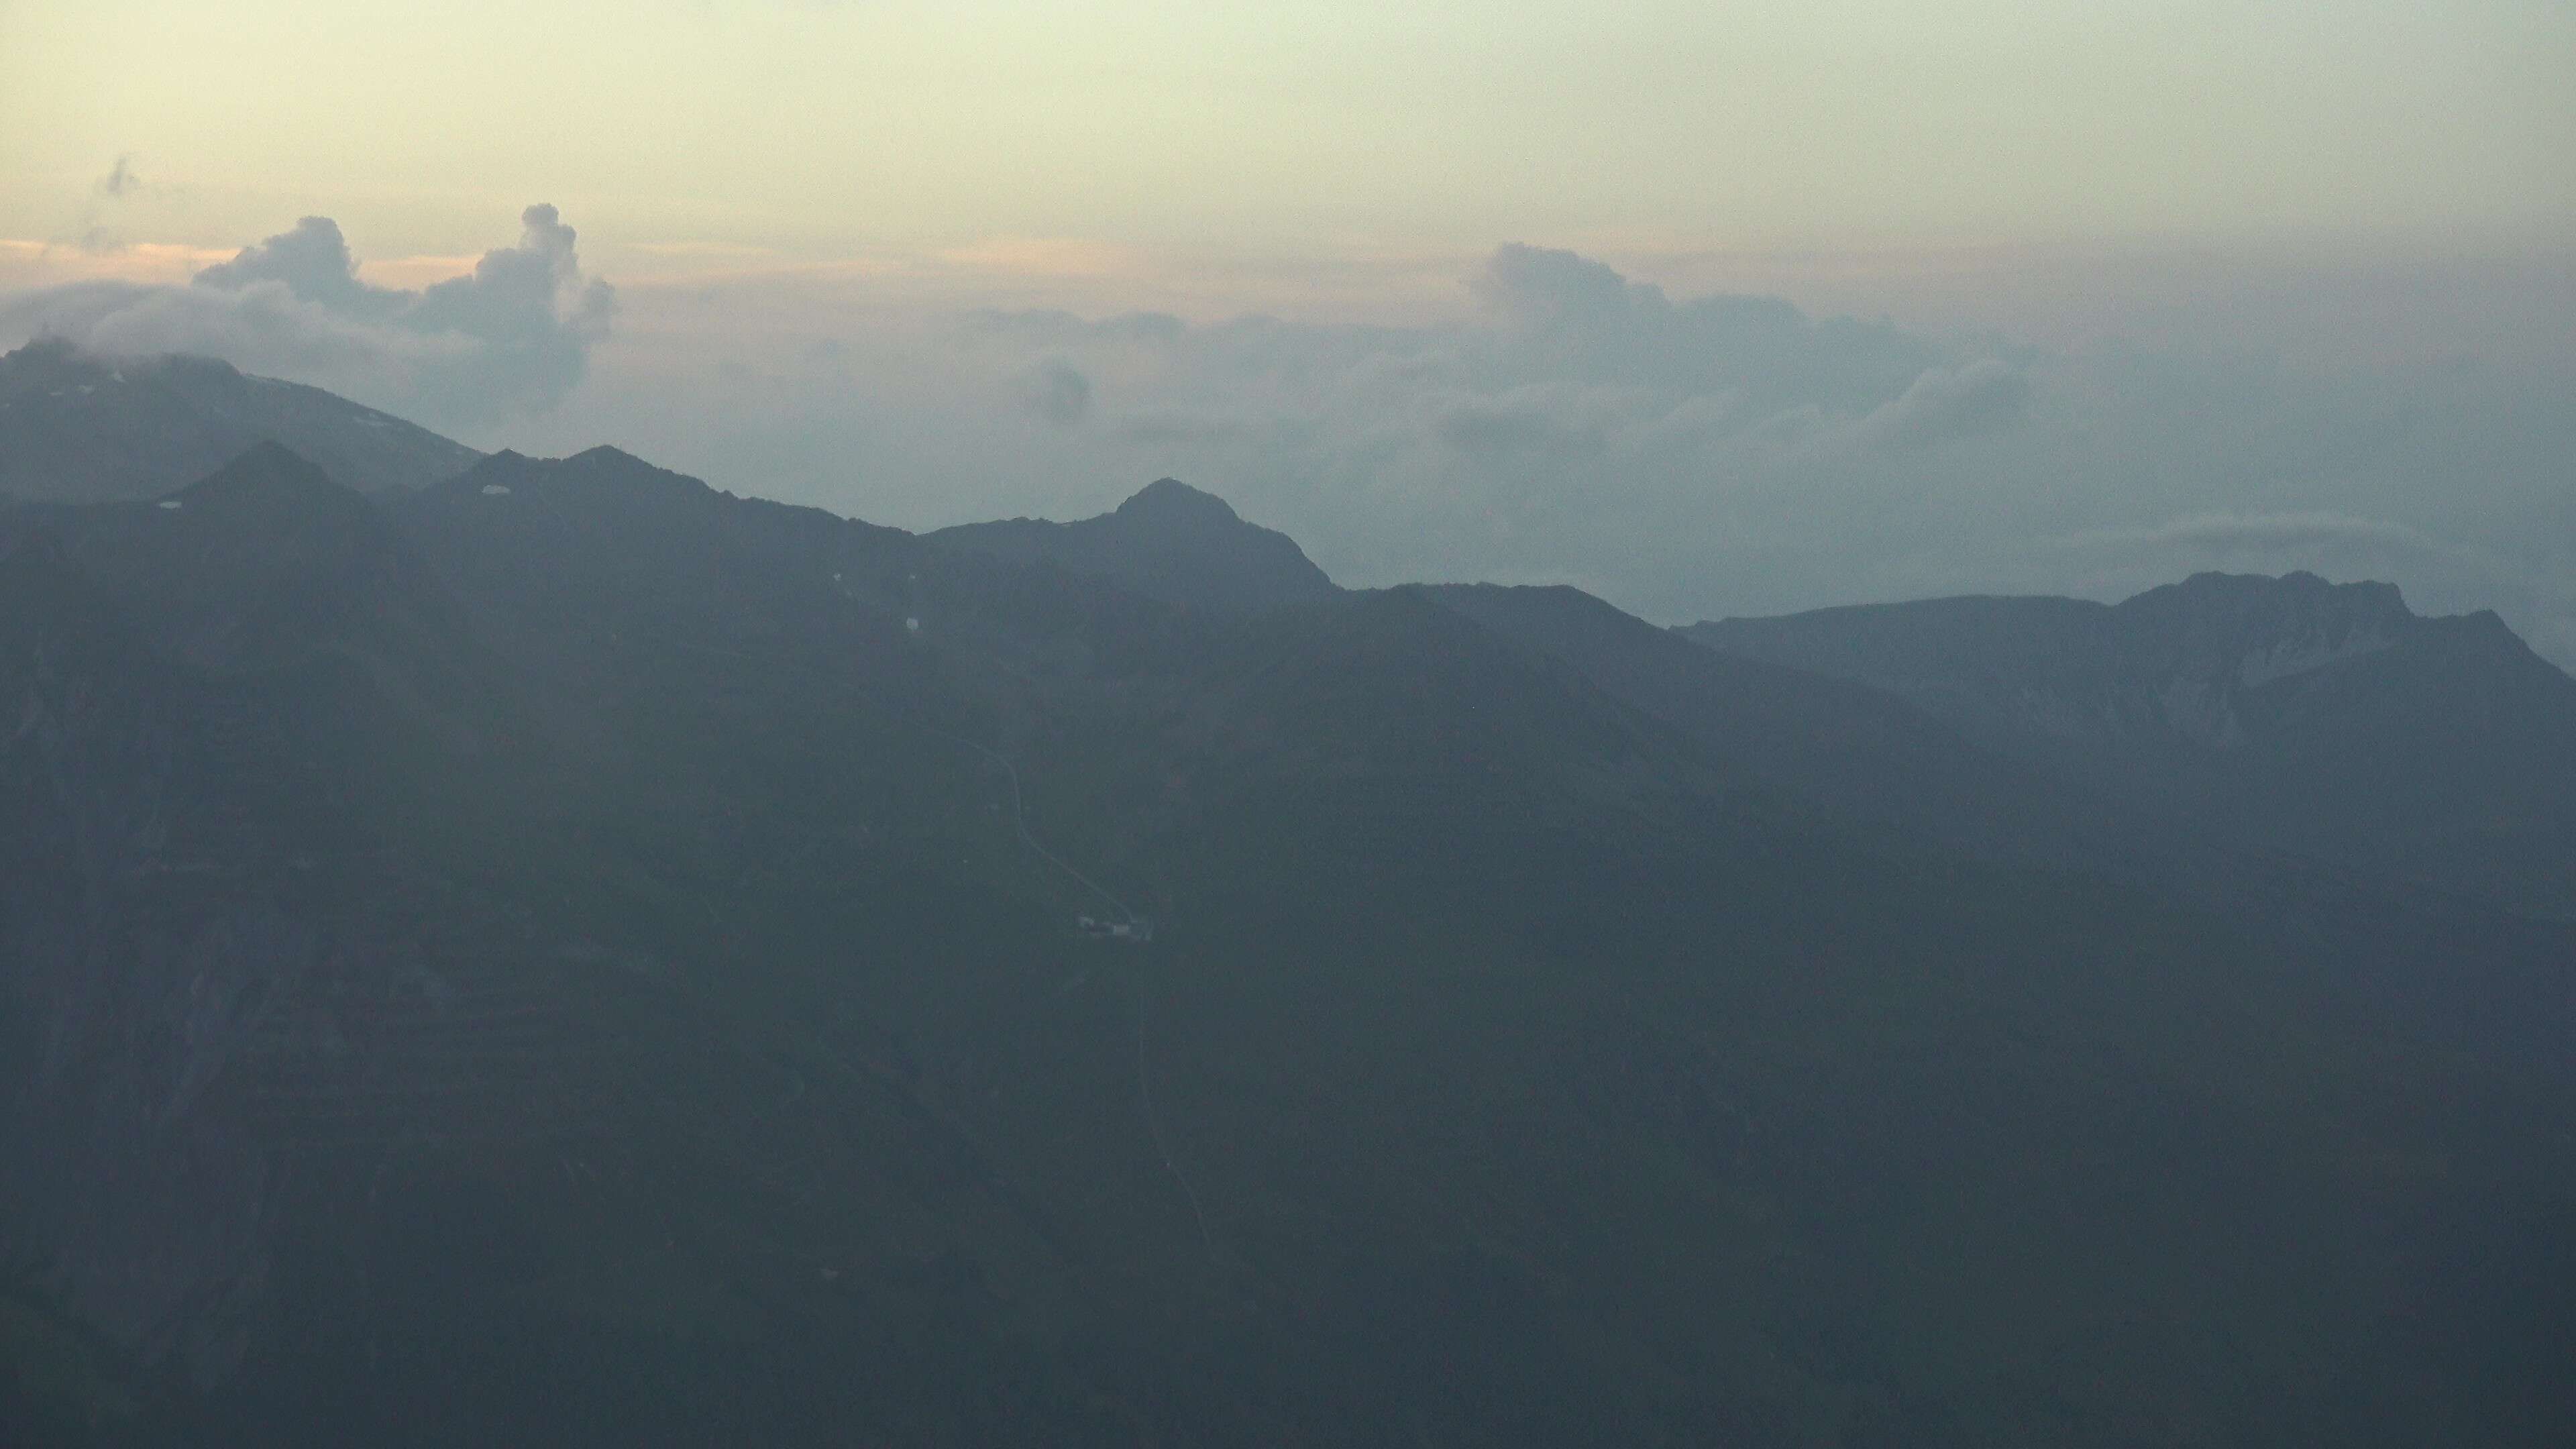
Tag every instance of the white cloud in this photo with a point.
(512, 336)
(1945, 404)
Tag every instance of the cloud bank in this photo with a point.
(1684, 457)
(510, 338)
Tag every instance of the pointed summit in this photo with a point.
(266, 469)
(1169, 541)
(1170, 499)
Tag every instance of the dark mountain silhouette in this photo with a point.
(266, 566)
(1551, 1031)
(1169, 542)
(89, 429)
(2325, 719)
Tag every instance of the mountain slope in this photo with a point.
(1520, 1056)
(86, 429)
(1169, 542)
(2325, 719)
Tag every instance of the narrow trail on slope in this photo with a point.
(1020, 822)
(1154, 1128)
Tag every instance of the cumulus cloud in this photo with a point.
(120, 178)
(1487, 429)
(1985, 396)
(1548, 287)
(1056, 391)
(312, 263)
(509, 338)
(92, 233)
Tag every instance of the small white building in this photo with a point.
(1137, 930)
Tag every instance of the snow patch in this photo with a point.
(171, 505)
(495, 490)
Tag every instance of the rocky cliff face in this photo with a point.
(2172, 665)
(205, 941)
(126, 995)
(2195, 646)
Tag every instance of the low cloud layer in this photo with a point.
(510, 338)
(1057, 391)
(1685, 457)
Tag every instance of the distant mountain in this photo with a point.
(81, 428)
(2326, 719)
(572, 956)
(1169, 542)
(1845, 746)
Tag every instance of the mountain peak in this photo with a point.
(2296, 584)
(601, 471)
(1170, 499)
(1170, 542)
(2226, 614)
(267, 471)
(78, 426)
(47, 358)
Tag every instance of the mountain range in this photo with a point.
(560, 953)
(82, 428)
(2328, 720)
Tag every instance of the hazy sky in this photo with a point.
(1448, 290)
(1257, 127)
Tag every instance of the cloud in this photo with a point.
(1055, 390)
(1944, 404)
(120, 178)
(91, 234)
(2230, 531)
(1546, 287)
(511, 337)
(312, 263)
(1533, 421)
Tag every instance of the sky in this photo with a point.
(1710, 308)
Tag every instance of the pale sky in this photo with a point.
(1224, 129)
(2078, 297)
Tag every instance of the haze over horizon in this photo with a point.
(1820, 725)
(2143, 289)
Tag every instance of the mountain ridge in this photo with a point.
(1539, 1041)
(2291, 710)
(82, 427)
